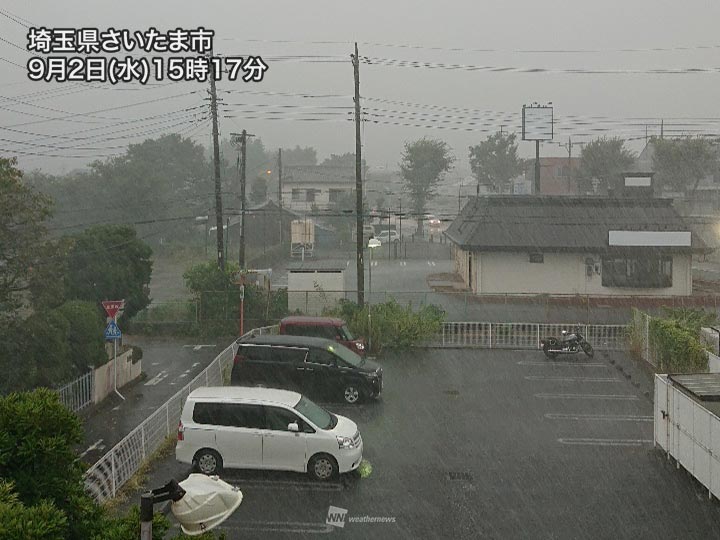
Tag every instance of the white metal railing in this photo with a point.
(114, 469)
(78, 394)
(525, 335)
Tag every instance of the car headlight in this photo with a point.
(360, 346)
(345, 443)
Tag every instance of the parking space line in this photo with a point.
(157, 378)
(281, 526)
(286, 484)
(605, 442)
(572, 379)
(609, 417)
(552, 363)
(629, 397)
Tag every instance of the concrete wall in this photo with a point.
(560, 273)
(311, 292)
(127, 371)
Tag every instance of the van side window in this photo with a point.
(287, 355)
(229, 414)
(255, 353)
(319, 356)
(247, 416)
(277, 418)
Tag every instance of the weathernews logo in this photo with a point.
(337, 517)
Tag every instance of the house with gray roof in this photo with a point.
(601, 246)
(315, 186)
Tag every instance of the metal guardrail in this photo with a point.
(524, 335)
(105, 478)
(78, 394)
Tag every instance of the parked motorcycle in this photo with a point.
(567, 343)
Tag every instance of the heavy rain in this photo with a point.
(385, 270)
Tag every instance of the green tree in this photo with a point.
(37, 438)
(682, 163)
(109, 262)
(258, 191)
(37, 522)
(22, 237)
(85, 334)
(423, 165)
(299, 156)
(605, 159)
(495, 160)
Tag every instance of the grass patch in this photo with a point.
(137, 481)
(365, 469)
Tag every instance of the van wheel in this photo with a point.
(208, 462)
(352, 393)
(322, 467)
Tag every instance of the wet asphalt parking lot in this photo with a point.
(490, 444)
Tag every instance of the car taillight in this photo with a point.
(181, 432)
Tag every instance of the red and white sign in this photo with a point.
(113, 306)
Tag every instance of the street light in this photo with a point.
(372, 244)
(200, 503)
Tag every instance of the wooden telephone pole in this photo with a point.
(216, 160)
(243, 166)
(358, 184)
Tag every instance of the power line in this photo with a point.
(394, 62)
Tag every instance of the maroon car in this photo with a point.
(324, 327)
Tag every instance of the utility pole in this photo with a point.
(243, 153)
(569, 147)
(400, 223)
(358, 184)
(389, 242)
(537, 167)
(280, 201)
(216, 159)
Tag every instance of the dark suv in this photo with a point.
(310, 365)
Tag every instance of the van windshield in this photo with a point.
(346, 355)
(316, 414)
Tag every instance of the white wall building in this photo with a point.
(315, 285)
(568, 245)
(307, 187)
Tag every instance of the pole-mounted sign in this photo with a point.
(112, 307)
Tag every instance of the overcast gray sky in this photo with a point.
(572, 35)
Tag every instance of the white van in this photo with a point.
(265, 428)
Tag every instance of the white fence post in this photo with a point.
(167, 419)
(112, 468)
(490, 334)
(142, 436)
(538, 335)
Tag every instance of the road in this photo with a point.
(490, 444)
(168, 365)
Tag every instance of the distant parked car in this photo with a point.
(323, 327)
(388, 236)
(433, 221)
